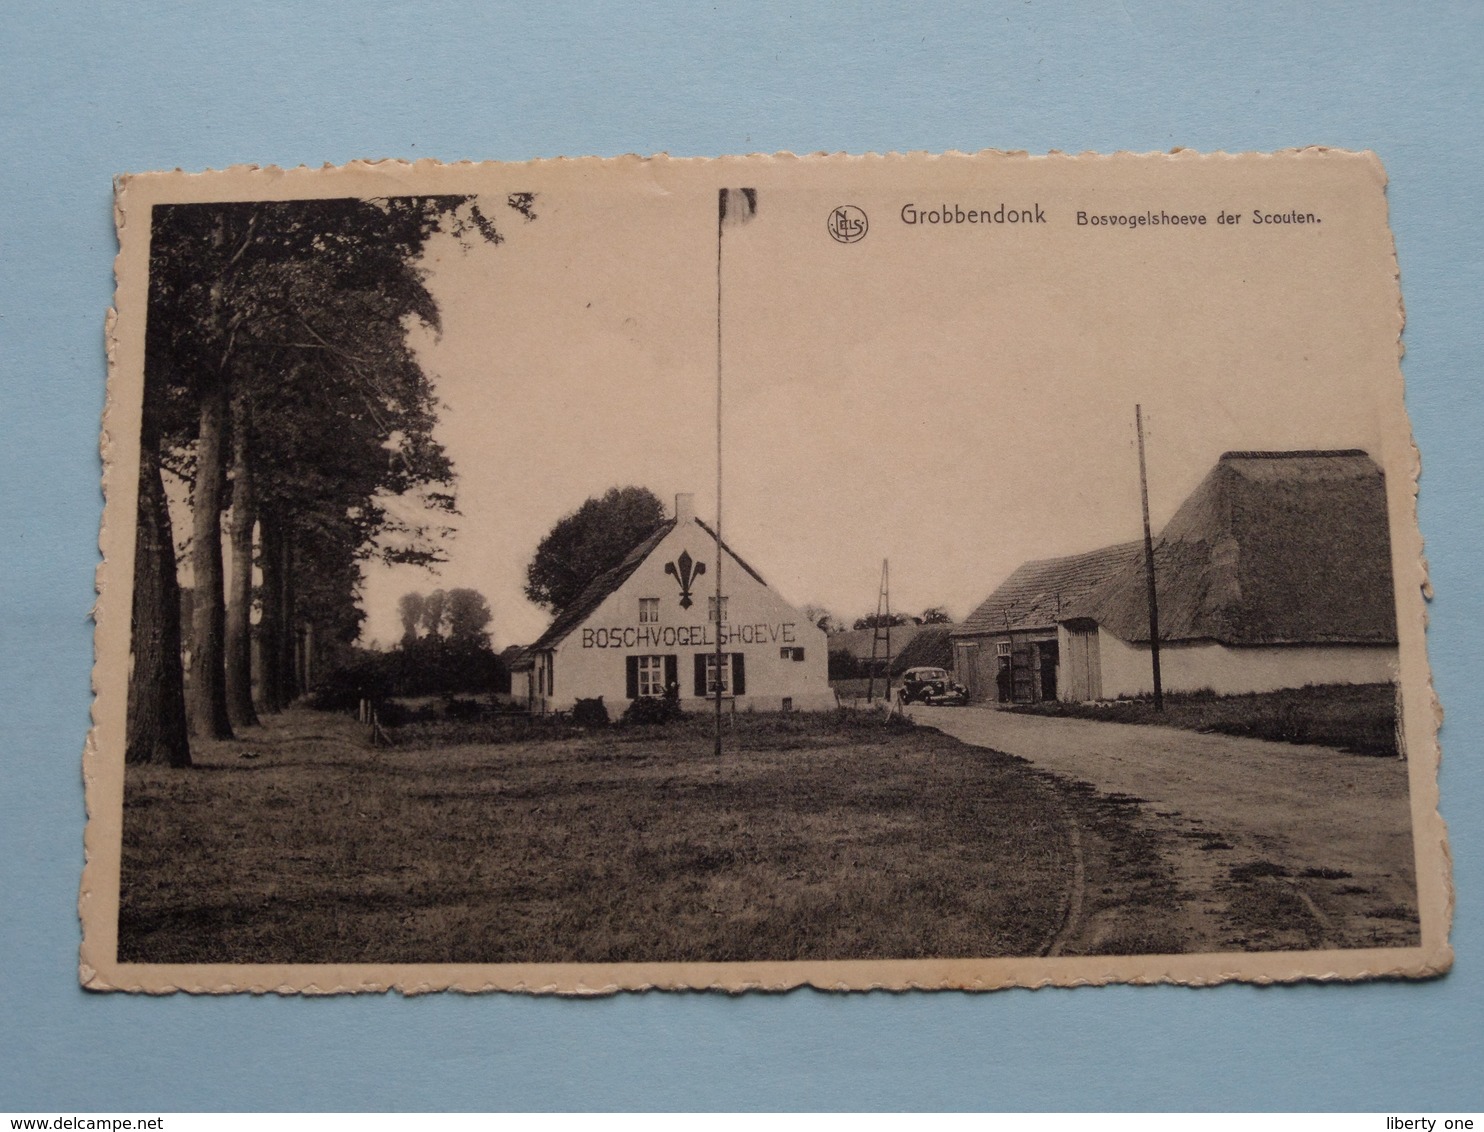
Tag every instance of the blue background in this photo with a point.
(88, 90)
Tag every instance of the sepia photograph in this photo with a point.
(954, 571)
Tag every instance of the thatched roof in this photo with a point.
(1271, 548)
(857, 642)
(932, 644)
(1037, 594)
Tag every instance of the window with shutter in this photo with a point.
(708, 662)
(739, 674)
(651, 675)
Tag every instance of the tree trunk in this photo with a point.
(306, 680)
(288, 632)
(303, 659)
(239, 591)
(207, 701)
(156, 730)
(267, 657)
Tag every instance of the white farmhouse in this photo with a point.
(652, 623)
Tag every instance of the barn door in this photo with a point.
(966, 667)
(1048, 656)
(1024, 675)
(1081, 670)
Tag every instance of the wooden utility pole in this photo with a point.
(886, 587)
(1159, 696)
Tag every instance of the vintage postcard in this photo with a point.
(906, 571)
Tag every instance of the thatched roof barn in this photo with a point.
(1275, 572)
(1273, 548)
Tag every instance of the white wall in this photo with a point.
(521, 686)
(591, 660)
(1189, 667)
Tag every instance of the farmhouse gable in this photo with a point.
(651, 625)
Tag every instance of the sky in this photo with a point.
(954, 398)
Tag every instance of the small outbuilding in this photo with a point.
(1010, 648)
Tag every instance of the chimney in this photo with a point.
(685, 507)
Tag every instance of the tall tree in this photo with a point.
(268, 649)
(157, 726)
(820, 617)
(468, 616)
(238, 641)
(435, 607)
(594, 538)
(156, 729)
(297, 311)
(872, 620)
(410, 610)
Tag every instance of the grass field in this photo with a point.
(835, 836)
(1360, 718)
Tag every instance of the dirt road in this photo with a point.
(1274, 845)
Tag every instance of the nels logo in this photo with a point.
(847, 224)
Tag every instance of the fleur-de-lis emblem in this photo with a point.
(685, 571)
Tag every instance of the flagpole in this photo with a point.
(721, 213)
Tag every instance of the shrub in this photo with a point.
(390, 713)
(654, 710)
(362, 675)
(425, 666)
(590, 713)
(844, 666)
(455, 708)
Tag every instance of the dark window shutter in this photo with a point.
(739, 674)
(701, 674)
(672, 672)
(798, 654)
(631, 666)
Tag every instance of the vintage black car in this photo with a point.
(932, 686)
